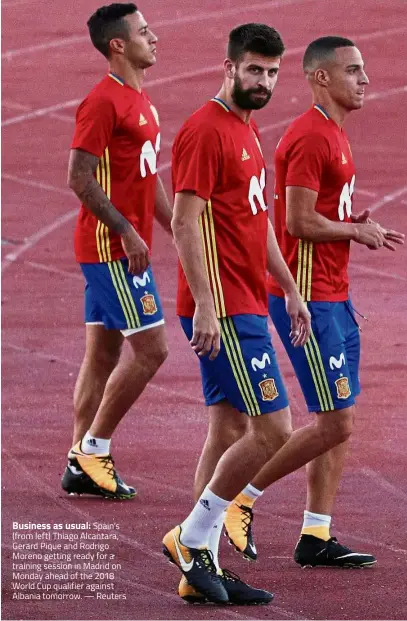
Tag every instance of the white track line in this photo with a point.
(186, 75)
(371, 270)
(382, 94)
(34, 239)
(185, 19)
(37, 184)
(382, 482)
(10, 258)
(388, 198)
(365, 192)
(71, 363)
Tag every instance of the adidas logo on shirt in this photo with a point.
(245, 155)
(142, 120)
(344, 160)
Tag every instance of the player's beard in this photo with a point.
(244, 99)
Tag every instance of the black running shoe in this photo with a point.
(197, 566)
(76, 481)
(241, 593)
(311, 551)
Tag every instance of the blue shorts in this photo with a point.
(245, 372)
(118, 300)
(328, 366)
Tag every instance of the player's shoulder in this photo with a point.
(311, 122)
(311, 127)
(206, 122)
(105, 92)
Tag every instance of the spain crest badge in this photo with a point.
(149, 305)
(342, 388)
(268, 389)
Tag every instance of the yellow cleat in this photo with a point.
(238, 528)
(101, 471)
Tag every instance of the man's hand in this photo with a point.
(136, 251)
(300, 319)
(390, 237)
(206, 332)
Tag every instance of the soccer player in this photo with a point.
(113, 171)
(226, 243)
(314, 184)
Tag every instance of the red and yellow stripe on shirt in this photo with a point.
(207, 228)
(102, 231)
(304, 269)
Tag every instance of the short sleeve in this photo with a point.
(196, 161)
(306, 161)
(95, 121)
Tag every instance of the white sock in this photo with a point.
(214, 540)
(252, 492)
(316, 519)
(196, 529)
(95, 446)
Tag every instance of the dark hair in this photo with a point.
(323, 48)
(257, 38)
(107, 23)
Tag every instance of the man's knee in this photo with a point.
(336, 427)
(152, 358)
(268, 442)
(272, 431)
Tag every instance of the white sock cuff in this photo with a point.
(252, 492)
(90, 444)
(213, 499)
(317, 517)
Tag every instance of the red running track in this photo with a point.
(48, 66)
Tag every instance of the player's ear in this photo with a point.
(117, 46)
(321, 77)
(229, 68)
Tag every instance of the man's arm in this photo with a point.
(163, 212)
(187, 236)
(306, 223)
(81, 168)
(298, 312)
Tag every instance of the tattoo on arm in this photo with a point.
(81, 179)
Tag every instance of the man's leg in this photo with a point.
(328, 373)
(307, 443)
(102, 353)
(234, 470)
(226, 426)
(148, 350)
(246, 374)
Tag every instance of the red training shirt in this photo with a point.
(218, 156)
(314, 153)
(120, 126)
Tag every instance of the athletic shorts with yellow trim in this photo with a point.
(119, 300)
(245, 372)
(327, 367)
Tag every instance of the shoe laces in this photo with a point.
(205, 556)
(108, 464)
(247, 518)
(230, 575)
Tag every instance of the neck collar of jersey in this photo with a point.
(116, 78)
(221, 103)
(322, 111)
